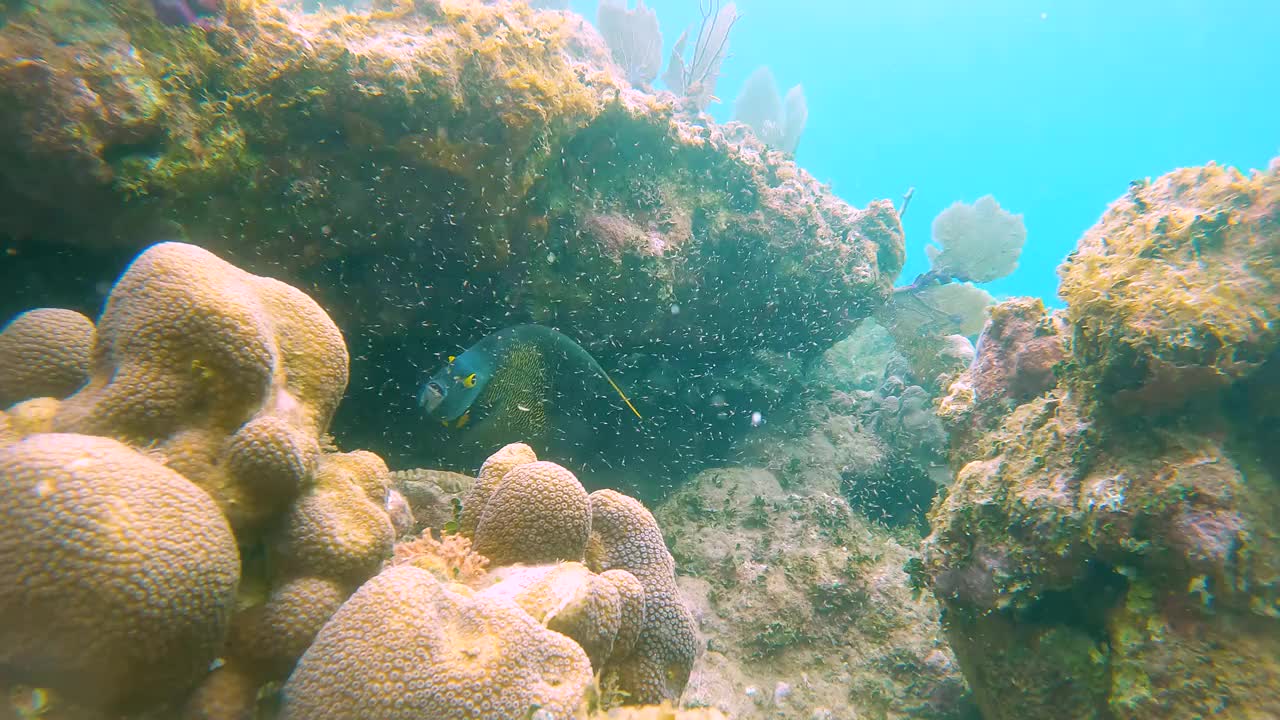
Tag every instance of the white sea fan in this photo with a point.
(979, 242)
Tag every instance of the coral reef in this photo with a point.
(232, 377)
(539, 513)
(209, 387)
(625, 537)
(1113, 519)
(431, 171)
(434, 496)
(621, 535)
(1172, 294)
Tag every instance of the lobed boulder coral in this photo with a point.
(609, 585)
(1113, 518)
(433, 170)
(207, 394)
(117, 575)
(44, 353)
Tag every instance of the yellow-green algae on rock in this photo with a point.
(432, 170)
(1110, 547)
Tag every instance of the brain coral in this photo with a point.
(625, 536)
(405, 647)
(538, 513)
(192, 351)
(44, 353)
(117, 575)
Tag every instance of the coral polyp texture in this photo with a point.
(405, 646)
(215, 386)
(44, 353)
(625, 536)
(539, 513)
(594, 568)
(1113, 514)
(442, 633)
(117, 575)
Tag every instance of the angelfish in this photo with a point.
(511, 376)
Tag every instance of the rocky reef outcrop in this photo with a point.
(432, 171)
(1109, 548)
(805, 606)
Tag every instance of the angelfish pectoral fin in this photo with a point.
(463, 419)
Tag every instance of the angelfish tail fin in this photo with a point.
(622, 395)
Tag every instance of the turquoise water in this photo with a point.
(1053, 107)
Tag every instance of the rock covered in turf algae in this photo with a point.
(1173, 293)
(492, 143)
(522, 637)
(117, 575)
(229, 380)
(804, 603)
(1116, 525)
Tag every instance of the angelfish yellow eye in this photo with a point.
(452, 358)
(469, 381)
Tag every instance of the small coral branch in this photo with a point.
(697, 79)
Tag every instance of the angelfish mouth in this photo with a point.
(431, 396)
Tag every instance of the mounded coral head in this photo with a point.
(979, 242)
(117, 575)
(334, 537)
(491, 473)
(539, 513)
(595, 610)
(406, 647)
(44, 353)
(191, 351)
(625, 536)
